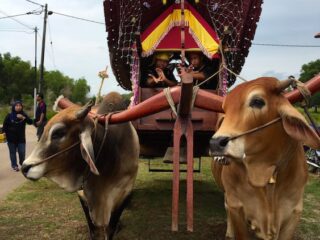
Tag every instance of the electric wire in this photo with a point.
(17, 15)
(35, 3)
(21, 23)
(79, 18)
(50, 39)
(286, 45)
(16, 30)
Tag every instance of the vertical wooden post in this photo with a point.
(189, 137)
(176, 174)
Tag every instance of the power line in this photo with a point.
(35, 3)
(285, 45)
(15, 30)
(50, 37)
(17, 15)
(23, 24)
(79, 18)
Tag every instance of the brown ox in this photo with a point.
(106, 178)
(266, 171)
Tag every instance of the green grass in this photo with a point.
(41, 210)
(4, 110)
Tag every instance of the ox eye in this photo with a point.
(257, 103)
(58, 134)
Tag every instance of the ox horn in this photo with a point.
(83, 112)
(282, 85)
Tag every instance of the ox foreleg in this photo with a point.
(84, 205)
(230, 231)
(115, 216)
(238, 223)
(288, 228)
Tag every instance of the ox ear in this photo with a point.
(297, 127)
(87, 151)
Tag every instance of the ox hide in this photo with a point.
(78, 153)
(265, 171)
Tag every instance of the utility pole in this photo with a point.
(35, 55)
(35, 70)
(41, 81)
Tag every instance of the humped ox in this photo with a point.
(263, 173)
(107, 178)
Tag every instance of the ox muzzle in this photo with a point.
(218, 149)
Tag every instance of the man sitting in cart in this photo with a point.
(202, 69)
(159, 75)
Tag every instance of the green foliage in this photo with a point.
(50, 113)
(308, 71)
(17, 81)
(80, 90)
(16, 78)
(4, 110)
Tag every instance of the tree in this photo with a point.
(80, 90)
(17, 81)
(16, 78)
(308, 71)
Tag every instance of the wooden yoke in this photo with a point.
(183, 127)
(204, 100)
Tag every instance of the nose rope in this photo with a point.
(256, 129)
(57, 154)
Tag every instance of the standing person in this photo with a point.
(41, 115)
(14, 126)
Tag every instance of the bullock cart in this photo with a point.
(184, 116)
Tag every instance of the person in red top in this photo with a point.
(41, 115)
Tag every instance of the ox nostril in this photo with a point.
(217, 144)
(223, 141)
(25, 169)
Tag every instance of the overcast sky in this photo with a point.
(79, 48)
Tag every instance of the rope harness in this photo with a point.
(95, 122)
(256, 129)
(57, 154)
(169, 98)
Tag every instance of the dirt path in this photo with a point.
(9, 180)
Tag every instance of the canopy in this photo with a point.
(163, 34)
(127, 20)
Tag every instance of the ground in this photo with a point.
(41, 210)
(9, 179)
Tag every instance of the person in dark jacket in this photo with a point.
(14, 126)
(159, 75)
(201, 71)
